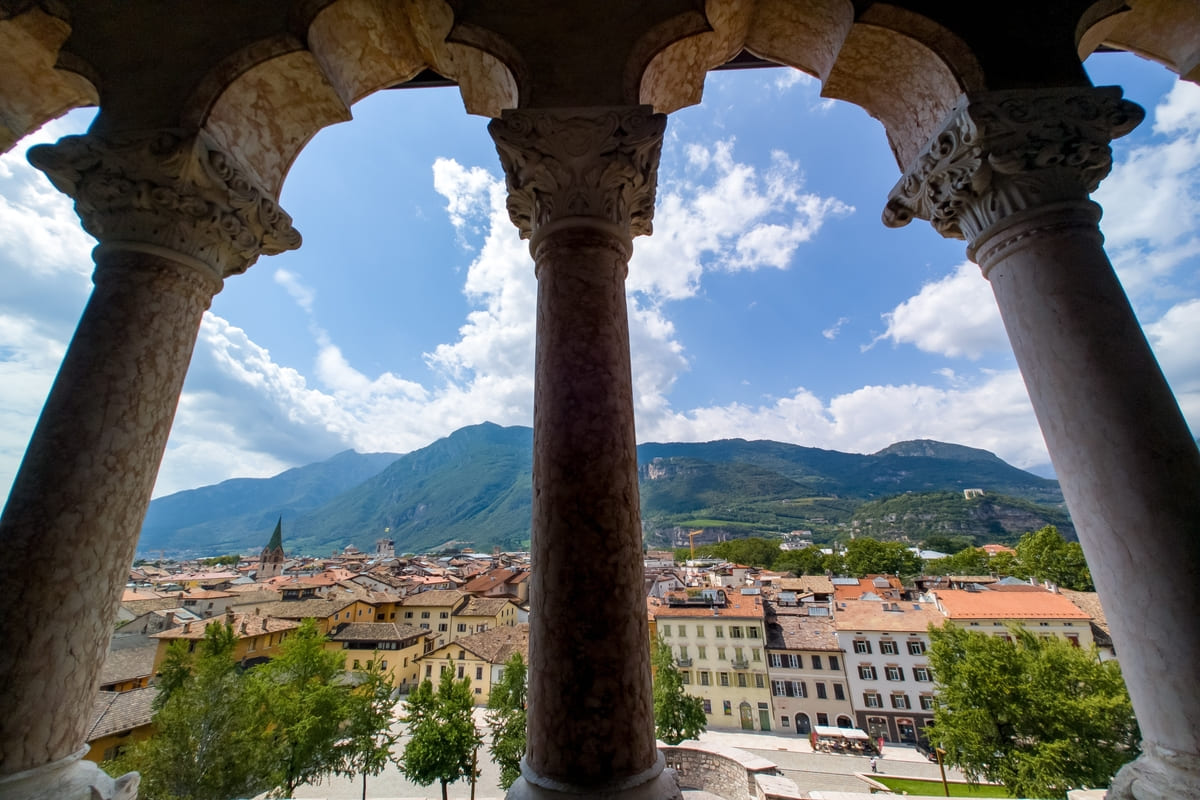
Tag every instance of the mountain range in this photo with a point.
(473, 489)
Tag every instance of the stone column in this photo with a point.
(1011, 173)
(174, 216)
(581, 185)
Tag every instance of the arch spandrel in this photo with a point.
(669, 63)
(33, 90)
(805, 35)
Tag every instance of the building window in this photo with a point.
(927, 702)
(699, 631)
(728, 706)
(866, 672)
(720, 632)
(862, 646)
(708, 706)
(721, 653)
(383, 664)
(701, 651)
(408, 615)
(424, 615)
(683, 630)
(916, 647)
(428, 670)
(794, 661)
(704, 678)
(425, 625)
(741, 679)
(1073, 639)
(816, 661)
(356, 665)
(872, 700)
(888, 647)
(921, 674)
(755, 654)
(833, 662)
(759, 681)
(752, 632)
(777, 688)
(735, 631)
(894, 673)
(900, 701)
(462, 627)
(461, 670)
(724, 678)
(444, 615)
(442, 627)
(822, 719)
(783, 721)
(686, 677)
(774, 660)
(666, 630)
(821, 693)
(838, 692)
(479, 673)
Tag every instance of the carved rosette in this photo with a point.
(580, 162)
(172, 190)
(1009, 151)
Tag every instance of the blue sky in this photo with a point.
(771, 301)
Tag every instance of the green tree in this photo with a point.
(368, 738)
(866, 556)
(677, 715)
(506, 718)
(208, 742)
(1037, 715)
(305, 703)
(805, 561)
(1007, 564)
(443, 738)
(969, 561)
(1048, 557)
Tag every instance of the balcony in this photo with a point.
(683, 662)
(740, 663)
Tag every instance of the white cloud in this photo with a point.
(955, 317)
(991, 412)
(726, 216)
(303, 295)
(1174, 338)
(787, 78)
(833, 330)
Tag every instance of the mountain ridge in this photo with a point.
(473, 488)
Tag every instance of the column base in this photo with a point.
(1157, 773)
(69, 778)
(656, 783)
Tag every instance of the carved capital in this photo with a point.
(580, 162)
(1009, 151)
(171, 190)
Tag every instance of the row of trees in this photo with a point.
(1042, 555)
(221, 731)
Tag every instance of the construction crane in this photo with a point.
(692, 540)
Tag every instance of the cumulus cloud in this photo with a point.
(833, 330)
(955, 316)
(726, 216)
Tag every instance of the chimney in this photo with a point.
(187, 627)
(169, 621)
(243, 627)
(264, 623)
(229, 616)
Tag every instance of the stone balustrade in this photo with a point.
(728, 772)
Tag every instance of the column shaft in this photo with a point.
(590, 706)
(69, 529)
(1127, 464)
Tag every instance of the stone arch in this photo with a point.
(264, 103)
(902, 82)
(34, 88)
(1159, 30)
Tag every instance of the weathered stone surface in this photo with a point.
(68, 532)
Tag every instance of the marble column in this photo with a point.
(1011, 173)
(581, 185)
(174, 217)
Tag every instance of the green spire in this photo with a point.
(276, 542)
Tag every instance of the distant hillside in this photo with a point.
(473, 488)
(239, 513)
(995, 517)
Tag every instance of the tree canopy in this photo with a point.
(366, 748)
(1046, 556)
(1035, 714)
(208, 742)
(677, 715)
(507, 718)
(443, 738)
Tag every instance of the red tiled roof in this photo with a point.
(961, 604)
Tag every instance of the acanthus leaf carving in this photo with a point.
(581, 162)
(169, 189)
(1007, 151)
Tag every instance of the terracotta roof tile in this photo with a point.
(114, 712)
(961, 604)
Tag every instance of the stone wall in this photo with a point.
(728, 772)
